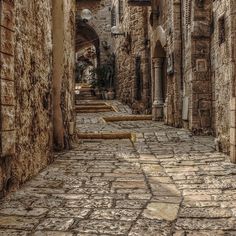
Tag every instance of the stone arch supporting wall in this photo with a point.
(101, 23)
(199, 81)
(86, 34)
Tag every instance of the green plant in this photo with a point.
(103, 76)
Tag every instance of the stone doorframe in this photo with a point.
(7, 85)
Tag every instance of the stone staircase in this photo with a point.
(85, 93)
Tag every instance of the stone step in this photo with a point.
(127, 118)
(103, 135)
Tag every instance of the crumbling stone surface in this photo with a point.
(33, 77)
(222, 66)
(26, 87)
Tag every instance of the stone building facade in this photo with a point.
(190, 57)
(28, 61)
(133, 77)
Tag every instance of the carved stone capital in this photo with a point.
(157, 62)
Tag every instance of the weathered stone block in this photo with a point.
(200, 87)
(200, 28)
(233, 153)
(6, 66)
(7, 15)
(8, 143)
(7, 39)
(161, 211)
(232, 119)
(233, 104)
(7, 92)
(233, 136)
(8, 118)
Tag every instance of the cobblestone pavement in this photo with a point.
(166, 183)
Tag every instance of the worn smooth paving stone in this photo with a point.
(130, 184)
(140, 196)
(152, 170)
(161, 189)
(167, 199)
(161, 211)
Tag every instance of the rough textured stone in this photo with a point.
(26, 86)
(134, 198)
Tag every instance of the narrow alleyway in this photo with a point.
(166, 182)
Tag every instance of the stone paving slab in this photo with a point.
(168, 182)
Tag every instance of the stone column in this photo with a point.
(157, 108)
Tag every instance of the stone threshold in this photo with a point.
(127, 118)
(103, 135)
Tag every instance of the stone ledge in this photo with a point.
(117, 135)
(128, 118)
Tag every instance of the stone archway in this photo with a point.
(85, 36)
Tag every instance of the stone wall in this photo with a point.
(7, 84)
(100, 22)
(133, 72)
(33, 67)
(221, 58)
(197, 19)
(68, 79)
(208, 67)
(199, 92)
(26, 87)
